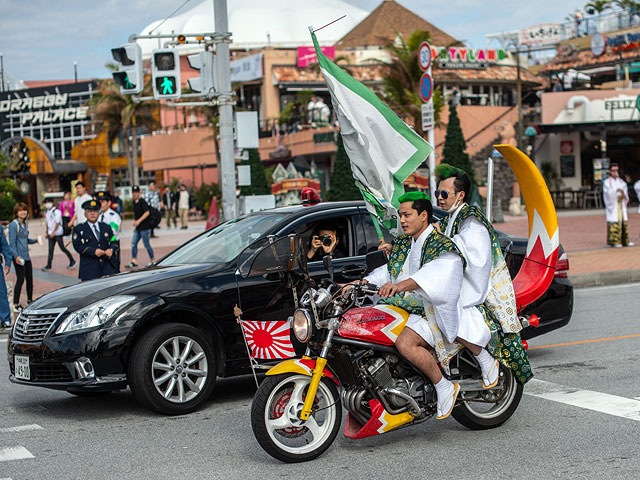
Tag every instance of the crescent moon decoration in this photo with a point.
(538, 267)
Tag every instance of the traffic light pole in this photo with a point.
(225, 109)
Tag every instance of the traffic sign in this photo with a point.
(428, 118)
(425, 88)
(424, 56)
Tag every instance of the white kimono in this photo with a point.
(610, 193)
(636, 187)
(474, 243)
(440, 282)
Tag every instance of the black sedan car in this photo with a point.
(169, 330)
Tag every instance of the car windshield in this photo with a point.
(223, 243)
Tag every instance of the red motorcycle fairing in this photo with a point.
(380, 422)
(378, 324)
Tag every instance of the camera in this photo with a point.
(326, 240)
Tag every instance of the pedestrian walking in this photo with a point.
(142, 224)
(82, 196)
(92, 241)
(5, 252)
(19, 242)
(184, 204)
(53, 219)
(111, 218)
(169, 204)
(67, 209)
(152, 198)
(616, 198)
(116, 203)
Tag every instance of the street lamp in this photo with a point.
(75, 70)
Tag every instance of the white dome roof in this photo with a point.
(258, 23)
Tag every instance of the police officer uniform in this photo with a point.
(114, 220)
(87, 237)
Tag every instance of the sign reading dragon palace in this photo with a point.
(50, 108)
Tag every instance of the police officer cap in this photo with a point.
(103, 196)
(91, 205)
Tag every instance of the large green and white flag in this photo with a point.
(383, 150)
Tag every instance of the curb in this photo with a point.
(597, 279)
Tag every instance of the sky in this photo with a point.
(41, 39)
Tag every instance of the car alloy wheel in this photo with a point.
(179, 369)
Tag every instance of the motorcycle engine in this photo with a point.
(380, 370)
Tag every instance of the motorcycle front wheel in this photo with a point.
(492, 407)
(275, 417)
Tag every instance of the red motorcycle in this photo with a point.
(351, 362)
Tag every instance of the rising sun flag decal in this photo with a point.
(268, 340)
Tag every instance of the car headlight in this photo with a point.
(94, 315)
(302, 326)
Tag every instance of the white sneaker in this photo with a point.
(491, 375)
(630, 244)
(447, 401)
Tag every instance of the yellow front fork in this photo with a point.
(313, 388)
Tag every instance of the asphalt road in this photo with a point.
(579, 418)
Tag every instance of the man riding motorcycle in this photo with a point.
(427, 268)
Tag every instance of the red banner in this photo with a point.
(307, 55)
(213, 218)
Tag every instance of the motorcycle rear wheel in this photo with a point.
(275, 417)
(483, 416)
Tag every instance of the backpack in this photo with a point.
(155, 217)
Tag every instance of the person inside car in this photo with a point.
(324, 241)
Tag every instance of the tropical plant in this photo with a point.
(400, 85)
(597, 7)
(343, 186)
(455, 147)
(119, 115)
(203, 195)
(258, 177)
(8, 189)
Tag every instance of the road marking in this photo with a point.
(585, 341)
(600, 402)
(14, 453)
(3, 340)
(21, 428)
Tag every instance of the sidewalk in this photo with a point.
(582, 234)
(60, 276)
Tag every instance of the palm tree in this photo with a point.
(597, 6)
(120, 115)
(403, 77)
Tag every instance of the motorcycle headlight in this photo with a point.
(94, 315)
(302, 326)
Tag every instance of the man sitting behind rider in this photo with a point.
(323, 242)
(486, 289)
(424, 276)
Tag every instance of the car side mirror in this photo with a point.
(328, 265)
(375, 259)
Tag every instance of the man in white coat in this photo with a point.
(616, 198)
(423, 276)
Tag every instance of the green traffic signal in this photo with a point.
(166, 85)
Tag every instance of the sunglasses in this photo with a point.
(444, 194)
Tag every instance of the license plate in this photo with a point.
(21, 364)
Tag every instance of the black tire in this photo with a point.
(281, 444)
(508, 392)
(169, 396)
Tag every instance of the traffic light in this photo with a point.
(165, 70)
(24, 157)
(129, 75)
(206, 83)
